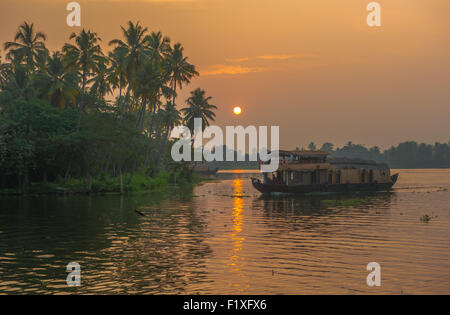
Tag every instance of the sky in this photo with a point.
(314, 68)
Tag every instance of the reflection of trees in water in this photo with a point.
(314, 210)
(164, 254)
(43, 234)
(118, 250)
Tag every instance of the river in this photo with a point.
(222, 237)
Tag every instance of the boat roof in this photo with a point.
(305, 153)
(356, 163)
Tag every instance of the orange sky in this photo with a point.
(312, 67)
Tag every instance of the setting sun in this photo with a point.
(237, 110)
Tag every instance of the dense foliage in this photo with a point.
(83, 116)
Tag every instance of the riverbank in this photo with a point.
(108, 185)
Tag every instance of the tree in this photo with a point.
(100, 81)
(117, 74)
(178, 68)
(18, 82)
(57, 123)
(57, 83)
(198, 107)
(312, 146)
(158, 45)
(170, 118)
(148, 86)
(327, 146)
(85, 56)
(132, 50)
(27, 45)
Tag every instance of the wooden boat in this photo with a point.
(302, 172)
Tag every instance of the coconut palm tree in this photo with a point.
(85, 56)
(178, 68)
(199, 107)
(3, 68)
(18, 82)
(57, 82)
(26, 46)
(117, 75)
(117, 71)
(170, 117)
(158, 45)
(100, 81)
(133, 50)
(149, 85)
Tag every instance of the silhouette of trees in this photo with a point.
(81, 114)
(409, 154)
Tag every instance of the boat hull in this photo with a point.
(304, 189)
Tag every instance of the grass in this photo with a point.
(425, 218)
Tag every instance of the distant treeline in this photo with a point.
(409, 154)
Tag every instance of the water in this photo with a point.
(223, 238)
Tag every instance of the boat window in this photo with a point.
(298, 176)
(338, 176)
(330, 177)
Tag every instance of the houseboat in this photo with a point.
(314, 171)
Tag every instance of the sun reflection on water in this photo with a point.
(236, 263)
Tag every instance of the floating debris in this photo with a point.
(140, 213)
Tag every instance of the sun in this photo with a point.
(237, 110)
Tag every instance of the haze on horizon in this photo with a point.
(315, 68)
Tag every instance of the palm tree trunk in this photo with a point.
(140, 128)
(81, 107)
(174, 92)
(121, 180)
(89, 181)
(163, 148)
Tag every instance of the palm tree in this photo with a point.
(26, 46)
(148, 87)
(170, 117)
(199, 107)
(117, 74)
(158, 45)
(100, 81)
(3, 72)
(178, 68)
(132, 50)
(58, 83)
(18, 82)
(85, 56)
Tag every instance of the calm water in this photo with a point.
(223, 238)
